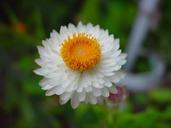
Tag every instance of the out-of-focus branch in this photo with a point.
(143, 23)
(147, 8)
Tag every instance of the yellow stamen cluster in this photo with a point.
(81, 51)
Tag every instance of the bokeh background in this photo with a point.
(25, 23)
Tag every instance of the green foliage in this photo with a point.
(161, 96)
(23, 103)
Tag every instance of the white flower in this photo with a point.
(80, 63)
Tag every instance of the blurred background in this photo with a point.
(24, 24)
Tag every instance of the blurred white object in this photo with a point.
(145, 81)
(143, 23)
(147, 8)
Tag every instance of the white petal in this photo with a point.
(96, 92)
(91, 98)
(117, 77)
(105, 92)
(74, 101)
(66, 96)
(81, 96)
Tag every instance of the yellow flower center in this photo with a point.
(81, 51)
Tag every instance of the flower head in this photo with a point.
(80, 63)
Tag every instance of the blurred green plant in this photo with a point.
(24, 24)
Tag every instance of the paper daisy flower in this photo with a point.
(80, 63)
